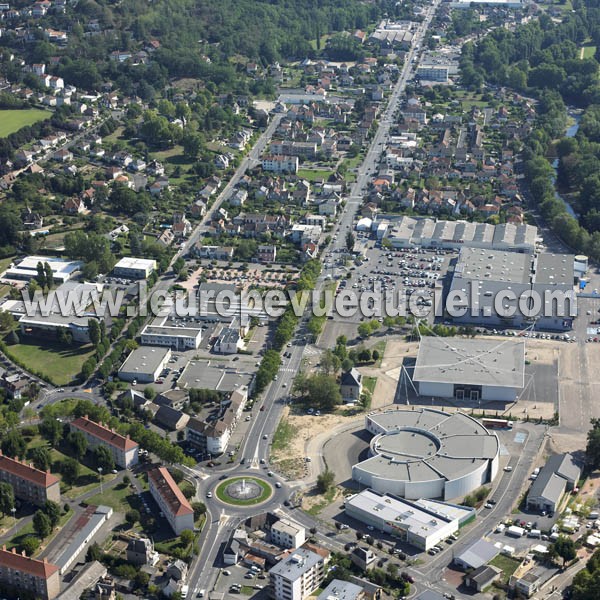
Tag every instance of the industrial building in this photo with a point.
(28, 483)
(144, 364)
(130, 267)
(414, 232)
(173, 504)
(123, 449)
(62, 270)
(470, 369)
(427, 453)
(499, 287)
(415, 524)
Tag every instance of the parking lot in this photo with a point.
(245, 581)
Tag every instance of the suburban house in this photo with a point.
(351, 385)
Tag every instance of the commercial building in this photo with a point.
(427, 453)
(483, 577)
(477, 554)
(470, 369)
(433, 73)
(122, 448)
(134, 268)
(144, 364)
(414, 524)
(215, 375)
(414, 232)
(501, 287)
(174, 505)
(29, 484)
(559, 475)
(229, 341)
(287, 534)
(25, 270)
(24, 574)
(172, 333)
(297, 576)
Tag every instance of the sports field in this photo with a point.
(13, 120)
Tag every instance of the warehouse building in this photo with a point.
(412, 523)
(487, 277)
(26, 270)
(427, 453)
(470, 369)
(144, 364)
(123, 449)
(414, 232)
(130, 267)
(559, 475)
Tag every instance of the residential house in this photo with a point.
(22, 574)
(140, 551)
(171, 418)
(351, 385)
(266, 253)
(181, 226)
(363, 558)
(482, 577)
(280, 164)
(74, 205)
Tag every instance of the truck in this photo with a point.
(535, 533)
(515, 531)
(497, 423)
(500, 528)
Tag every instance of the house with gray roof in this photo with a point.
(351, 385)
(559, 475)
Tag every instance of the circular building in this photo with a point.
(427, 453)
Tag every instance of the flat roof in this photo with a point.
(412, 517)
(145, 359)
(213, 374)
(296, 564)
(427, 445)
(493, 265)
(340, 590)
(471, 361)
(131, 262)
(555, 269)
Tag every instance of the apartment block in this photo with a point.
(287, 534)
(23, 574)
(29, 484)
(170, 498)
(123, 449)
(297, 576)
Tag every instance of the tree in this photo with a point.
(7, 321)
(41, 275)
(565, 548)
(13, 444)
(40, 457)
(94, 331)
(41, 524)
(132, 517)
(103, 459)
(30, 545)
(49, 275)
(79, 443)
(330, 363)
(13, 338)
(347, 365)
(592, 450)
(199, 509)
(70, 468)
(149, 392)
(141, 579)
(52, 509)
(52, 430)
(323, 392)
(186, 537)
(350, 239)
(7, 498)
(325, 481)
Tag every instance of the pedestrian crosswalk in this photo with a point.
(311, 351)
(287, 370)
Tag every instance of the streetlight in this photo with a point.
(13, 510)
(100, 471)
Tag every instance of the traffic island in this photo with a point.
(244, 491)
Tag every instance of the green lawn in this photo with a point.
(369, 384)
(120, 497)
(283, 434)
(13, 120)
(587, 52)
(314, 174)
(221, 492)
(57, 363)
(507, 564)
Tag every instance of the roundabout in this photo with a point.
(244, 491)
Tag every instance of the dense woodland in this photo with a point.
(542, 59)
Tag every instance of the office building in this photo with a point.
(123, 449)
(26, 269)
(134, 268)
(287, 534)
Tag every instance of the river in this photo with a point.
(571, 132)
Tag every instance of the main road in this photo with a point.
(255, 447)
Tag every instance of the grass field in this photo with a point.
(507, 564)
(13, 120)
(587, 52)
(58, 363)
(283, 434)
(223, 496)
(369, 384)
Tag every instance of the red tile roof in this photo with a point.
(170, 491)
(28, 472)
(104, 433)
(19, 562)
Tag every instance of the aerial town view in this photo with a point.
(299, 299)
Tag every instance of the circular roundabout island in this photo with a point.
(244, 491)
